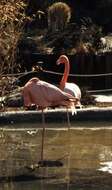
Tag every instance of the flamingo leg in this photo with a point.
(68, 119)
(69, 146)
(43, 136)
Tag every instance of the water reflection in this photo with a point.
(35, 185)
(84, 152)
(106, 167)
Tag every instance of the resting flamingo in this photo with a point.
(70, 88)
(43, 95)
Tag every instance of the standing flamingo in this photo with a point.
(70, 88)
(43, 95)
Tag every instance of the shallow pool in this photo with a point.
(84, 149)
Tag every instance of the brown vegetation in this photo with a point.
(11, 23)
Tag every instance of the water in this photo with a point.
(85, 152)
(35, 185)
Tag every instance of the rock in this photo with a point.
(14, 100)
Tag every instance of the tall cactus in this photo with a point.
(59, 15)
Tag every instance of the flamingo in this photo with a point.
(43, 95)
(70, 88)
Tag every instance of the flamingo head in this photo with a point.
(62, 59)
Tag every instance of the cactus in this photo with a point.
(59, 15)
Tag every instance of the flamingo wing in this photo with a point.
(73, 89)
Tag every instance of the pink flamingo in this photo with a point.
(43, 95)
(70, 88)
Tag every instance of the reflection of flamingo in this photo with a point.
(44, 94)
(70, 88)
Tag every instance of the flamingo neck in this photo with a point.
(65, 75)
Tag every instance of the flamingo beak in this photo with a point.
(58, 62)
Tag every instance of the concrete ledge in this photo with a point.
(57, 115)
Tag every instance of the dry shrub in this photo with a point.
(12, 17)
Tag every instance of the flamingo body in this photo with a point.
(73, 89)
(44, 94)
